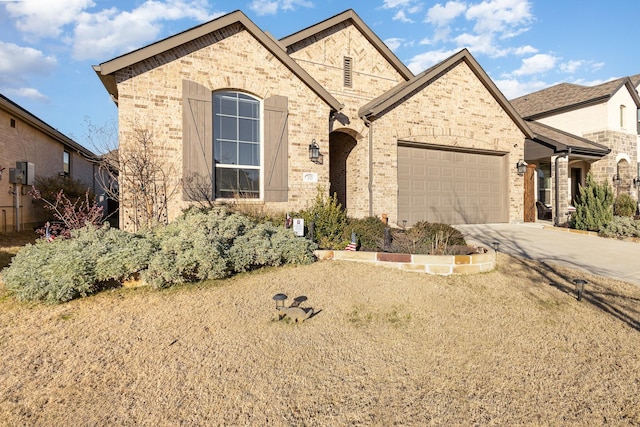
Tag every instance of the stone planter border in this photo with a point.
(443, 265)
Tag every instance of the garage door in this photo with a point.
(451, 187)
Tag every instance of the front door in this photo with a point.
(576, 182)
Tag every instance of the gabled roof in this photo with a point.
(396, 94)
(566, 97)
(15, 110)
(106, 70)
(350, 15)
(635, 79)
(561, 141)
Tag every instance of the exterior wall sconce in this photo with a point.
(521, 167)
(314, 152)
(617, 180)
(496, 246)
(636, 182)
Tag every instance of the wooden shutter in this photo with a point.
(276, 149)
(197, 142)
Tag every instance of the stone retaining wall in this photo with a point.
(443, 265)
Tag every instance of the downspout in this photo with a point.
(369, 124)
(556, 217)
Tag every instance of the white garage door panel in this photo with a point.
(451, 187)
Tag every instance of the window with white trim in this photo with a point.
(236, 145)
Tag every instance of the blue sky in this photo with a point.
(47, 47)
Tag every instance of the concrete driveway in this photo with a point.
(597, 255)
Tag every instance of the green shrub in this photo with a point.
(213, 244)
(624, 206)
(369, 232)
(268, 245)
(199, 245)
(621, 227)
(593, 206)
(329, 219)
(64, 269)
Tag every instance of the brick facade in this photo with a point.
(24, 142)
(456, 109)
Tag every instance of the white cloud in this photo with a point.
(402, 17)
(34, 18)
(421, 62)
(512, 88)
(111, 31)
(480, 44)
(393, 43)
(271, 7)
(499, 15)
(441, 16)
(525, 50)
(536, 64)
(571, 66)
(392, 4)
(17, 61)
(28, 93)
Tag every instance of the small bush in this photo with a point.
(593, 206)
(621, 227)
(624, 206)
(213, 244)
(329, 219)
(369, 232)
(92, 260)
(428, 238)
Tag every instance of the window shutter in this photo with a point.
(197, 142)
(276, 149)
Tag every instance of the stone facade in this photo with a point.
(622, 160)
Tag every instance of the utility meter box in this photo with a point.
(24, 173)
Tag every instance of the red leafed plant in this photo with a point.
(71, 215)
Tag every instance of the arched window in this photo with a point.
(236, 145)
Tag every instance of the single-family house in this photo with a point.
(31, 148)
(242, 115)
(580, 129)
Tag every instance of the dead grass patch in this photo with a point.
(385, 347)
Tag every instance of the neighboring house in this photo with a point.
(580, 129)
(27, 140)
(241, 114)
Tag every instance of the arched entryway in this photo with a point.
(342, 164)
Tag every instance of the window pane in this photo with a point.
(227, 153)
(228, 128)
(248, 130)
(228, 105)
(248, 109)
(226, 182)
(249, 182)
(249, 154)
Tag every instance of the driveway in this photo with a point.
(597, 255)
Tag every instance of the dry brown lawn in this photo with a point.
(386, 347)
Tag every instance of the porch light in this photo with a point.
(279, 298)
(521, 167)
(496, 246)
(314, 151)
(636, 182)
(617, 180)
(579, 287)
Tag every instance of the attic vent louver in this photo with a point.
(348, 75)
